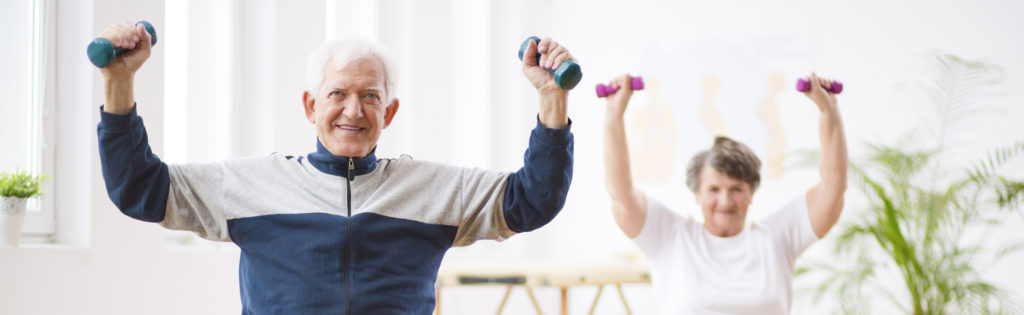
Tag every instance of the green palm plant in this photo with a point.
(925, 223)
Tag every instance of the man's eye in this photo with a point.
(372, 96)
(334, 94)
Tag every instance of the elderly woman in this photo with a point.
(721, 264)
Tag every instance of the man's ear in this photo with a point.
(389, 112)
(308, 102)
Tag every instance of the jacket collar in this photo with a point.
(332, 164)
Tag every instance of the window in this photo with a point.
(26, 111)
(198, 44)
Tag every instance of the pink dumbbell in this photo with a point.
(804, 86)
(636, 84)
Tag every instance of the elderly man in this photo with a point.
(337, 230)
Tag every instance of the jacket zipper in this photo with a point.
(348, 237)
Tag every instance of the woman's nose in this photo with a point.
(723, 199)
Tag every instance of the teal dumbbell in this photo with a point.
(102, 52)
(567, 75)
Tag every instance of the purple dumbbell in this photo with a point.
(804, 86)
(637, 83)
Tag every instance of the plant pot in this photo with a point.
(12, 217)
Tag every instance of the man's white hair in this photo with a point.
(345, 51)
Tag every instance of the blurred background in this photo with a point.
(226, 80)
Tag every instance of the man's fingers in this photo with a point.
(546, 48)
(123, 35)
(559, 55)
(557, 59)
(529, 54)
(144, 39)
(545, 45)
(542, 48)
(553, 52)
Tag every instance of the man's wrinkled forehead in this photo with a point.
(367, 73)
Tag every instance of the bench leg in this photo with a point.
(593, 307)
(623, 297)
(504, 299)
(533, 299)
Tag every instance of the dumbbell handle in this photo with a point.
(102, 52)
(567, 75)
(804, 86)
(637, 83)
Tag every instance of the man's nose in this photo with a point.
(353, 109)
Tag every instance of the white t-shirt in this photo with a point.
(695, 272)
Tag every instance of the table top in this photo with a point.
(544, 272)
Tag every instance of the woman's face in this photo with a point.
(723, 201)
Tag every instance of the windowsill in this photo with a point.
(37, 239)
(49, 246)
(216, 249)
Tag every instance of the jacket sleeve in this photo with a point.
(140, 185)
(137, 181)
(536, 192)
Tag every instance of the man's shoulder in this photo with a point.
(252, 163)
(272, 158)
(406, 162)
(406, 166)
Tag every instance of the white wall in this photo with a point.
(464, 101)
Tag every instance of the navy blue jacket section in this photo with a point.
(328, 163)
(137, 181)
(295, 265)
(536, 192)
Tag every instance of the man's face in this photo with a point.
(723, 201)
(350, 108)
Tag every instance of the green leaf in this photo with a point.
(21, 184)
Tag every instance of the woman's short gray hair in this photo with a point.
(345, 51)
(727, 156)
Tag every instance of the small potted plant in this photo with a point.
(15, 189)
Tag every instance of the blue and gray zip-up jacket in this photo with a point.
(306, 247)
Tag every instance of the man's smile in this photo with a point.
(349, 128)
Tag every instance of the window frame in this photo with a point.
(40, 221)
